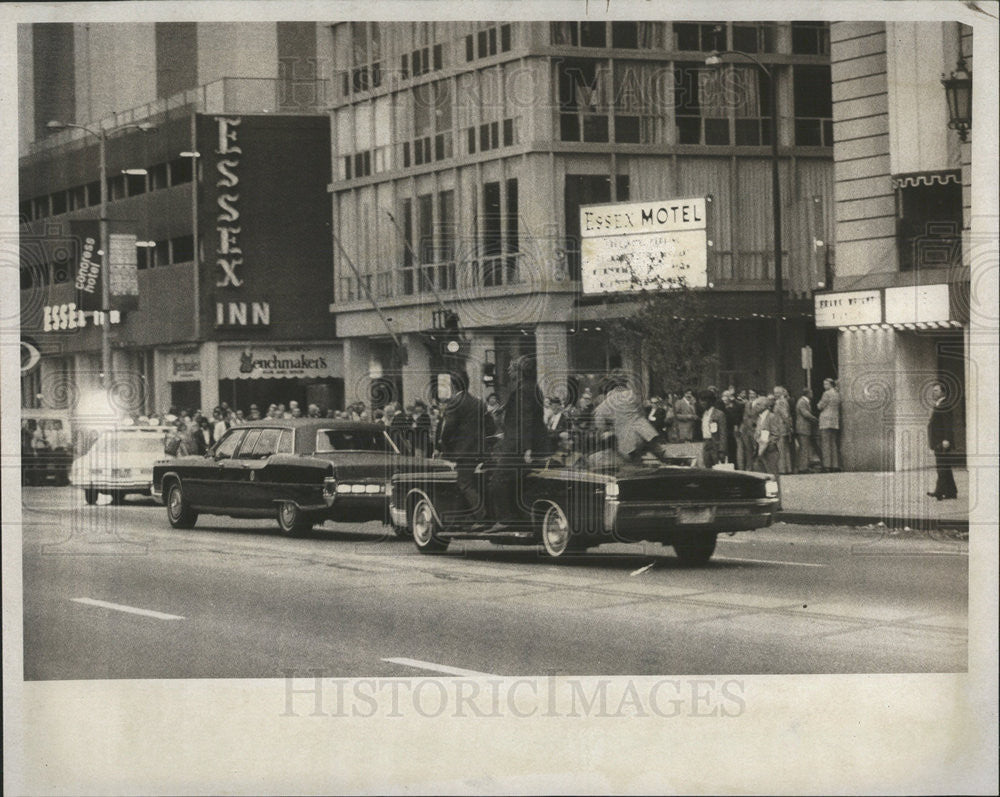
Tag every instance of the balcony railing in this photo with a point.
(468, 277)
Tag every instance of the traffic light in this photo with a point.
(451, 342)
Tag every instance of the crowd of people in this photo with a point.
(746, 428)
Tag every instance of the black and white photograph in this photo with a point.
(572, 397)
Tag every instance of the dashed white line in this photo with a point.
(766, 561)
(441, 668)
(118, 607)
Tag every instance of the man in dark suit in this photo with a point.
(525, 439)
(941, 439)
(461, 436)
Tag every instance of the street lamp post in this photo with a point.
(102, 137)
(715, 59)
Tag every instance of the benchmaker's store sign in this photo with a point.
(634, 246)
(280, 362)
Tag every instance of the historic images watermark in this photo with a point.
(307, 693)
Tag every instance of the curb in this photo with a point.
(817, 519)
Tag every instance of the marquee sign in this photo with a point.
(848, 309)
(636, 246)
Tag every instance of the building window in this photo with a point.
(701, 36)
(487, 42)
(811, 38)
(579, 34)
(117, 187)
(425, 225)
(929, 220)
(59, 203)
(587, 189)
(407, 233)
(180, 171)
(642, 95)
(24, 211)
(78, 197)
(94, 193)
(813, 97)
(161, 253)
(432, 120)
(366, 58)
(144, 257)
(182, 249)
(583, 100)
(446, 226)
(754, 38)
(135, 184)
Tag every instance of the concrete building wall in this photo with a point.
(115, 68)
(237, 49)
(865, 203)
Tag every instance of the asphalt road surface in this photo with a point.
(114, 592)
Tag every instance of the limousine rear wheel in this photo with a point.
(556, 532)
(425, 528)
(695, 550)
(292, 520)
(179, 511)
(90, 496)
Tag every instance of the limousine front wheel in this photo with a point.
(179, 512)
(425, 528)
(292, 520)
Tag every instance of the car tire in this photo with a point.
(556, 533)
(90, 496)
(292, 521)
(695, 550)
(426, 528)
(117, 497)
(179, 511)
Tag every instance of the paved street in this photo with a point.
(113, 592)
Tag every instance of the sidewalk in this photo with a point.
(898, 500)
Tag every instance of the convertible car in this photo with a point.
(300, 471)
(572, 509)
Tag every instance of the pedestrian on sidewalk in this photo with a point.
(769, 428)
(941, 439)
(783, 409)
(829, 426)
(713, 430)
(805, 423)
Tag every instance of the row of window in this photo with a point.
(167, 252)
(367, 73)
(121, 186)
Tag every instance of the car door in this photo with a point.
(259, 491)
(220, 472)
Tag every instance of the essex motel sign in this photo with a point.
(641, 246)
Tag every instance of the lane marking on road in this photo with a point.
(441, 668)
(766, 561)
(130, 609)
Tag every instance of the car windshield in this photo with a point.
(352, 440)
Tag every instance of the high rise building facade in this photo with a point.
(463, 152)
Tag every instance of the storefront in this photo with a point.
(263, 374)
(894, 344)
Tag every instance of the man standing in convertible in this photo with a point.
(461, 436)
(525, 439)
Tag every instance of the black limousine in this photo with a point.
(576, 508)
(300, 471)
